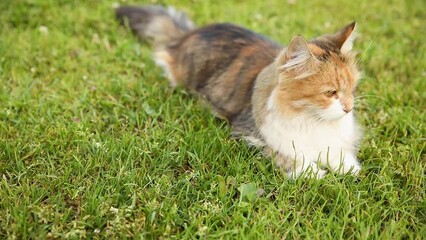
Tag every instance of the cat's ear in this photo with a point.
(345, 37)
(296, 54)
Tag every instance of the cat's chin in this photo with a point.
(316, 116)
(324, 116)
(331, 115)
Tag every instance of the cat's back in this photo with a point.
(221, 62)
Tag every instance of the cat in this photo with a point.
(294, 102)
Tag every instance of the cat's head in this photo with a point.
(318, 78)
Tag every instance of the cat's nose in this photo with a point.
(347, 110)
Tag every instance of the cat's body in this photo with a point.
(295, 102)
(223, 70)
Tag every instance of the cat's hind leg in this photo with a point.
(164, 60)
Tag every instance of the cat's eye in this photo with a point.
(330, 93)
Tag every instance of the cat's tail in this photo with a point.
(158, 25)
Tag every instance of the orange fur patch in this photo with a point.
(335, 74)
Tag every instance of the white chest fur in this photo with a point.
(311, 141)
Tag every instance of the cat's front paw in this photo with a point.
(349, 165)
(352, 168)
(310, 171)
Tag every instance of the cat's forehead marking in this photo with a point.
(345, 78)
(324, 49)
(337, 74)
(337, 77)
(326, 46)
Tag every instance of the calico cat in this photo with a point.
(295, 102)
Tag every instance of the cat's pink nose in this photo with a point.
(346, 110)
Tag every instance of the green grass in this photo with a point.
(94, 144)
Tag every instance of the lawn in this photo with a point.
(94, 143)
